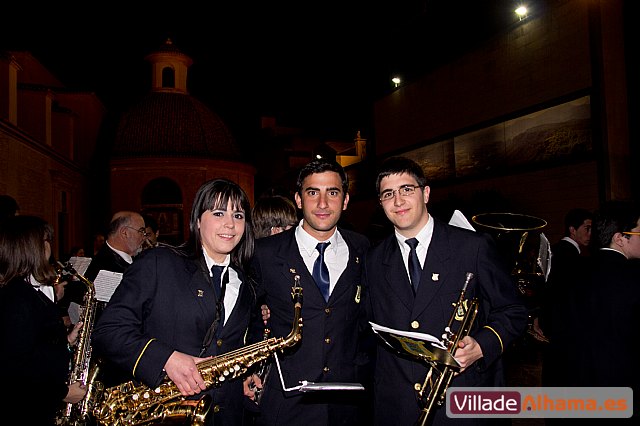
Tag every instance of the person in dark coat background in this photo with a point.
(607, 331)
(569, 260)
(35, 349)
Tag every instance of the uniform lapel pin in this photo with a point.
(200, 293)
(435, 277)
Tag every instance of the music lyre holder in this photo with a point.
(306, 386)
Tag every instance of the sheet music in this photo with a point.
(411, 334)
(544, 255)
(459, 220)
(106, 283)
(80, 264)
(74, 312)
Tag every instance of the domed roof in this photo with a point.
(168, 121)
(173, 125)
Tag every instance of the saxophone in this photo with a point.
(130, 404)
(82, 367)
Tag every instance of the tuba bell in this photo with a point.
(526, 251)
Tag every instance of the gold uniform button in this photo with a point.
(219, 343)
(415, 324)
(326, 369)
(417, 387)
(327, 340)
(327, 311)
(216, 408)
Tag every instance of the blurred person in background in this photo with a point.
(153, 232)
(273, 214)
(36, 349)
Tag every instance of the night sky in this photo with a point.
(317, 65)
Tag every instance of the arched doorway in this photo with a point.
(162, 199)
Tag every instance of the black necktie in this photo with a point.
(321, 272)
(414, 264)
(216, 270)
(219, 287)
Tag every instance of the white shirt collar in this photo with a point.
(423, 237)
(308, 243)
(211, 262)
(126, 256)
(46, 289)
(572, 241)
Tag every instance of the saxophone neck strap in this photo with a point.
(213, 328)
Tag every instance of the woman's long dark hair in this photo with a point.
(22, 251)
(212, 195)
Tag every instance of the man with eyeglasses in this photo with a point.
(125, 236)
(414, 277)
(124, 241)
(605, 317)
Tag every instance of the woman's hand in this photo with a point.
(183, 371)
(72, 337)
(76, 393)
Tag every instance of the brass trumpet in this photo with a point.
(433, 390)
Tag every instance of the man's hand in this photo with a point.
(182, 370)
(266, 313)
(468, 352)
(250, 385)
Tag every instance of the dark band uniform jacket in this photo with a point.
(328, 351)
(166, 302)
(501, 318)
(37, 361)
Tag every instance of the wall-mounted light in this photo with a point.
(522, 12)
(396, 81)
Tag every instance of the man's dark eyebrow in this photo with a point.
(313, 188)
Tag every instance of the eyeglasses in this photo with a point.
(404, 190)
(631, 233)
(141, 230)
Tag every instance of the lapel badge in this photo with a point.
(358, 293)
(435, 277)
(292, 270)
(200, 293)
(357, 259)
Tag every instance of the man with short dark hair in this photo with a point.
(607, 330)
(328, 260)
(414, 279)
(568, 259)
